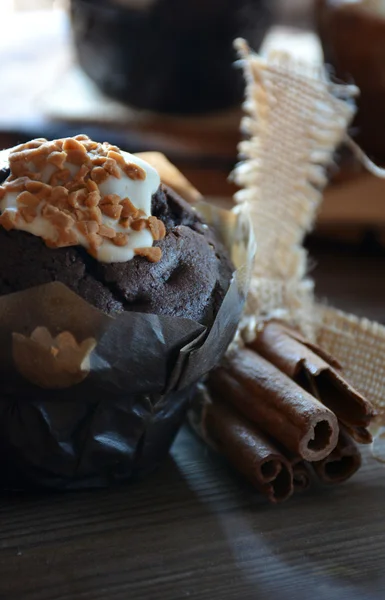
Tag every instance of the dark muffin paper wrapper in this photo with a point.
(118, 409)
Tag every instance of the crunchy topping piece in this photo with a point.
(59, 197)
(157, 228)
(139, 224)
(81, 137)
(95, 240)
(152, 254)
(99, 175)
(18, 168)
(126, 223)
(57, 217)
(92, 186)
(98, 161)
(112, 210)
(57, 159)
(33, 176)
(81, 174)
(121, 239)
(111, 167)
(107, 232)
(112, 148)
(87, 227)
(28, 213)
(115, 155)
(39, 189)
(134, 172)
(28, 199)
(129, 210)
(76, 153)
(67, 237)
(110, 199)
(81, 215)
(89, 145)
(95, 214)
(76, 199)
(60, 177)
(73, 144)
(93, 199)
(8, 220)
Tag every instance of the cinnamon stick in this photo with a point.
(248, 450)
(317, 372)
(359, 434)
(341, 464)
(281, 408)
(301, 475)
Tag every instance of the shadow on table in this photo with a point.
(328, 543)
(195, 530)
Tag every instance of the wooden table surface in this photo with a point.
(195, 530)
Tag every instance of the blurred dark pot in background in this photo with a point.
(353, 40)
(167, 55)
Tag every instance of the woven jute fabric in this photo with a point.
(295, 119)
(359, 345)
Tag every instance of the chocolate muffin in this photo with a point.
(87, 400)
(66, 217)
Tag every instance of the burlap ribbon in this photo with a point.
(295, 119)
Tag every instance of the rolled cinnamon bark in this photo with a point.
(341, 464)
(281, 408)
(359, 434)
(301, 475)
(317, 372)
(248, 450)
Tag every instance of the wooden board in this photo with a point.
(195, 530)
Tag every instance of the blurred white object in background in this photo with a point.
(302, 45)
(16, 5)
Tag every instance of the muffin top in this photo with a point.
(74, 191)
(100, 221)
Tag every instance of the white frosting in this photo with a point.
(139, 191)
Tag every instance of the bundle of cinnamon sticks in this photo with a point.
(282, 413)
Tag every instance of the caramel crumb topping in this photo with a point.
(8, 220)
(112, 210)
(139, 224)
(152, 254)
(107, 232)
(129, 210)
(157, 228)
(28, 199)
(87, 227)
(134, 172)
(120, 239)
(99, 175)
(72, 202)
(28, 213)
(110, 199)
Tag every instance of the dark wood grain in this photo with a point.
(196, 530)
